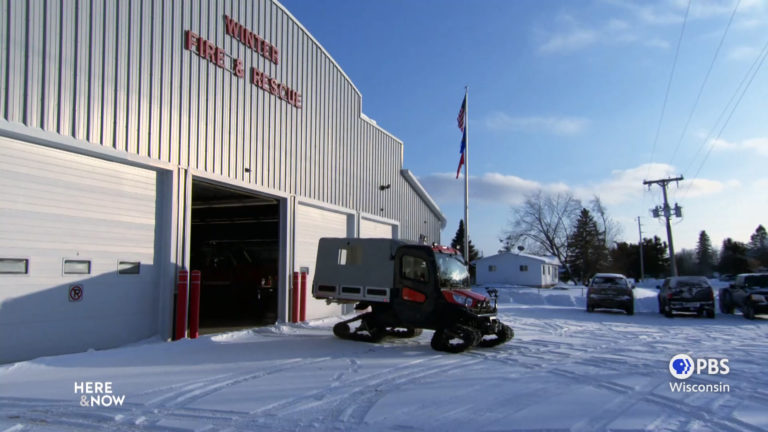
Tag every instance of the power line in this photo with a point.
(669, 85)
(745, 82)
(704, 83)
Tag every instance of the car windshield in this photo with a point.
(452, 272)
(605, 280)
(757, 281)
(692, 284)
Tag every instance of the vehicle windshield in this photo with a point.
(451, 271)
(608, 280)
(756, 281)
(692, 284)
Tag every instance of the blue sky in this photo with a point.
(567, 96)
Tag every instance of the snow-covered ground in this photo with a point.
(566, 369)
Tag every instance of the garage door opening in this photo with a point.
(235, 243)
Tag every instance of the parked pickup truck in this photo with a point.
(749, 292)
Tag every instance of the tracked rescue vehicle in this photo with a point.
(408, 287)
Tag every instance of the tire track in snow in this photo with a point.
(337, 390)
(355, 405)
(199, 389)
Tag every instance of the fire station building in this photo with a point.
(140, 138)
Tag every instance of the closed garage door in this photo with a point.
(313, 223)
(67, 221)
(376, 229)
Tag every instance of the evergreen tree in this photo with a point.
(586, 247)
(705, 256)
(687, 263)
(758, 246)
(655, 257)
(733, 258)
(458, 244)
(625, 259)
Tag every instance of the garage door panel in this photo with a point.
(33, 229)
(312, 224)
(375, 229)
(60, 205)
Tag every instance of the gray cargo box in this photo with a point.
(349, 270)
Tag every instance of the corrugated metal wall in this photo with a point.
(116, 74)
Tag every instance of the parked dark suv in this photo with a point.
(610, 290)
(749, 292)
(686, 294)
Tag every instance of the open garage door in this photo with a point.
(235, 243)
(313, 223)
(77, 252)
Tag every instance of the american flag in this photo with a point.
(462, 112)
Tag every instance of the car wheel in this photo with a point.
(748, 311)
(668, 312)
(710, 313)
(661, 307)
(726, 304)
(630, 309)
(590, 307)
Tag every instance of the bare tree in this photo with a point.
(609, 229)
(543, 223)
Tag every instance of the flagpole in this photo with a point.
(466, 175)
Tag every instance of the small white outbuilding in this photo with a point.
(518, 269)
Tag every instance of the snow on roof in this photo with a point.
(512, 255)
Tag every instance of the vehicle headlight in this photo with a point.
(758, 298)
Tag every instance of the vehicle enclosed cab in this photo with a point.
(610, 290)
(749, 292)
(408, 287)
(686, 294)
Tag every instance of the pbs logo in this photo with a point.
(682, 366)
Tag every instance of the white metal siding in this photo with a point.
(375, 229)
(507, 271)
(116, 74)
(313, 223)
(58, 205)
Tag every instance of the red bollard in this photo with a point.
(181, 305)
(295, 298)
(194, 304)
(303, 298)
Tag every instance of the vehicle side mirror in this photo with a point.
(658, 287)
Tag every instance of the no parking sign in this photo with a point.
(75, 293)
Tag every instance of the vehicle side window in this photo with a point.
(414, 268)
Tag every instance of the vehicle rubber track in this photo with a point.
(455, 339)
(368, 331)
(504, 334)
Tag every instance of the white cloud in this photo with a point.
(492, 188)
(622, 186)
(555, 125)
(757, 145)
(567, 42)
(743, 53)
(656, 43)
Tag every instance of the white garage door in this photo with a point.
(375, 229)
(313, 223)
(69, 220)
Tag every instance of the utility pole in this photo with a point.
(666, 211)
(640, 231)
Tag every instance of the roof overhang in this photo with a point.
(419, 189)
